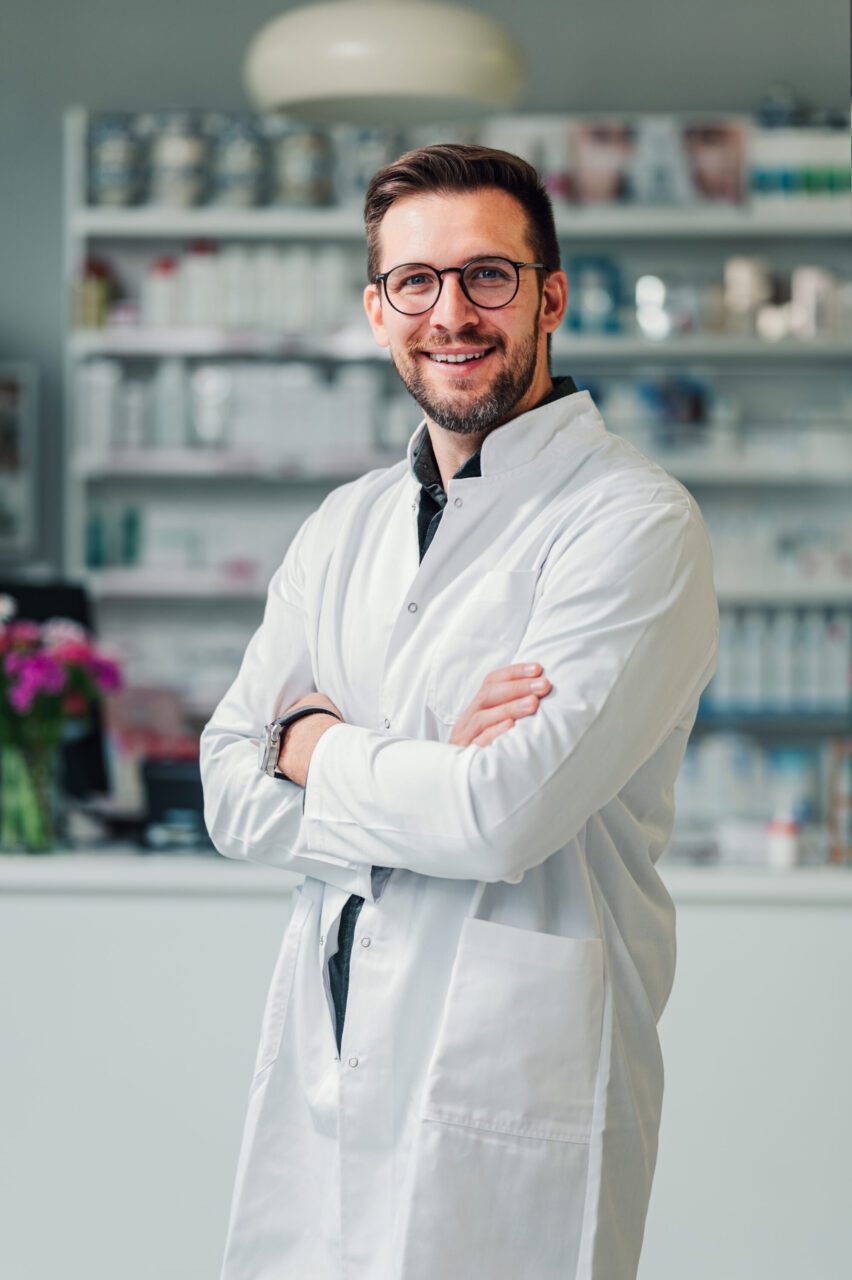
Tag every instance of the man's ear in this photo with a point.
(373, 308)
(554, 300)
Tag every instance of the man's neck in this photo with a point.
(453, 448)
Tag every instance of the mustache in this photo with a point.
(460, 340)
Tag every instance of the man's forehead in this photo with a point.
(453, 225)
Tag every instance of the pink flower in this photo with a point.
(57, 631)
(78, 651)
(23, 632)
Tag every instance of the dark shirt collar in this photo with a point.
(425, 467)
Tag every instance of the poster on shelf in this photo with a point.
(18, 427)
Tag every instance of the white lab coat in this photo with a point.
(495, 1108)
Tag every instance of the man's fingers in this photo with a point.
(517, 670)
(495, 693)
(493, 731)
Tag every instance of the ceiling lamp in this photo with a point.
(383, 62)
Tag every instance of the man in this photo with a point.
(459, 1073)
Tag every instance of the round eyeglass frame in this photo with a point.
(382, 277)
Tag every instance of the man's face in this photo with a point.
(509, 374)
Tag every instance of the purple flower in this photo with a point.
(107, 673)
(37, 673)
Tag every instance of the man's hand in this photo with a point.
(300, 738)
(505, 695)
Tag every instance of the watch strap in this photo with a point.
(285, 720)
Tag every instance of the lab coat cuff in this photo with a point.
(312, 807)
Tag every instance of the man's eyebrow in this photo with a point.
(485, 253)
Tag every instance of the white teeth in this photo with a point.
(453, 359)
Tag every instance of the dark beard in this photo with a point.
(493, 409)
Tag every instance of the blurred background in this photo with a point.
(186, 371)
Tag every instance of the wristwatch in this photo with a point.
(270, 743)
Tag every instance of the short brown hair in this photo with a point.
(448, 167)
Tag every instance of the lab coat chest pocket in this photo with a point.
(519, 1043)
(278, 996)
(481, 634)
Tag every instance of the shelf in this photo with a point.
(126, 583)
(116, 869)
(747, 471)
(347, 344)
(827, 218)
(355, 344)
(701, 346)
(804, 724)
(222, 464)
(149, 584)
(766, 592)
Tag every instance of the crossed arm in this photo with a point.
(625, 629)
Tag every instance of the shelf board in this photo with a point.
(747, 471)
(826, 217)
(835, 593)
(699, 346)
(149, 584)
(776, 723)
(188, 340)
(127, 583)
(225, 464)
(353, 344)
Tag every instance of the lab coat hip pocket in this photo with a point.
(519, 1043)
(278, 996)
(481, 633)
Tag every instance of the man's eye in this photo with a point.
(489, 274)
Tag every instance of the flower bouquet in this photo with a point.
(51, 675)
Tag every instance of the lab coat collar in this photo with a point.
(525, 437)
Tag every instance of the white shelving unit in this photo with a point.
(698, 240)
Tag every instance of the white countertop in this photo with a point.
(120, 869)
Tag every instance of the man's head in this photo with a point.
(443, 206)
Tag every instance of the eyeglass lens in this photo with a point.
(490, 282)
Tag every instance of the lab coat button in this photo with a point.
(322, 939)
(387, 723)
(457, 502)
(412, 608)
(365, 942)
(353, 1062)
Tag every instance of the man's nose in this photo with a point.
(453, 309)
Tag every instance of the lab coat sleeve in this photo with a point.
(248, 814)
(626, 628)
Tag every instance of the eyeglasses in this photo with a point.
(414, 287)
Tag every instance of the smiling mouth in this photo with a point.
(436, 357)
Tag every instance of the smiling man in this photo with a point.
(472, 688)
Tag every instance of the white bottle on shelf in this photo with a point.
(753, 647)
(98, 386)
(198, 286)
(836, 665)
(809, 655)
(169, 417)
(159, 300)
(235, 278)
(132, 429)
(781, 661)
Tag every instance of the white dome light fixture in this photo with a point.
(398, 62)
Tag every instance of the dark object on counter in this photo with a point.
(175, 805)
(83, 762)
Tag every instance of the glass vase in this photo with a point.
(31, 819)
